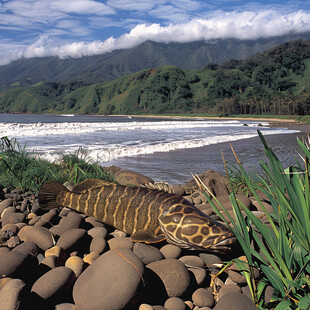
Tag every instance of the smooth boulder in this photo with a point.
(174, 275)
(54, 285)
(112, 281)
(10, 294)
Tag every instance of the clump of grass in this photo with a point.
(239, 182)
(19, 169)
(279, 247)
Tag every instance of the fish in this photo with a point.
(147, 215)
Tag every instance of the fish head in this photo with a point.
(188, 227)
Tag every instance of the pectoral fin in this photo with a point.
(147, 237)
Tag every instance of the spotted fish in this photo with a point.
(148, 215)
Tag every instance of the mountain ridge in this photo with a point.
(110, 66)
(276, 81)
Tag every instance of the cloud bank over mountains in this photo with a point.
(180, 27)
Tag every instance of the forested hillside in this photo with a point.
(110, 66)
(274, 82)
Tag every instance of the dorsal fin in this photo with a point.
(88, 184)
(161, 186)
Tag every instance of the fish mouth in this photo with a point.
(223, 246)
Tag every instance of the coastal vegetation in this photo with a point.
(275, 82)
(277, 244)
(20, 169)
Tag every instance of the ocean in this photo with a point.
(166, 149)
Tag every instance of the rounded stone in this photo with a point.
(73, 239)
(236, 276)
(228, 288)
(11, 263)
(112, 280)
(7, 211)
(10, 294)
(39, 235)
(210, 260)
(170, 251)
(13, 218)
(120, 242)
(34, 220)
(199, 274)
(100, 232)
(42, 223)
(11, 227)
(5, 204)
(58, 252)
(235, 301)
(50, 216)
(178, 189)
(175, 303)
(174, 275)
(91, 257)
(66, 306)
(4, 281)
(268, 293)
(75, 263)
(192, 261)
(203, 298)
(50, 262)
(54, 284)
(4, 250)
(98, 245)
(93, 221)
(145, 307)
(225, 201)
(129, 177)
(147, 253)
(71, 221)
(13, 242)
(28, 247)
(118, 233)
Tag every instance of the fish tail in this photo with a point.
(49, 193)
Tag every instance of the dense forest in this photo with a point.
(275, 82)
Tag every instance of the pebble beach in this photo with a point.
(62, 259)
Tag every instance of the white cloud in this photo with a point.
(82, 7)
(243, 25)
(137, 5)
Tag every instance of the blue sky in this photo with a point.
(74, 28)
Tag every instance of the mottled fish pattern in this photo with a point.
(148, 215)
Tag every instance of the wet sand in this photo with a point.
(176, 167)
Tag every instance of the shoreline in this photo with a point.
(273, 122)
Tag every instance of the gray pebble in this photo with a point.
(170, 251)
(175, 303)
(147, 253)
(235, 301)
(55, 284)
(120, 242)
(98, 232)
(192, 261)
(203, 298)
(174, 275)
(229, 288)
(98, 245)
(73, 239)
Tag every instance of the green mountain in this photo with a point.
(110, 66)
(274, 82)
